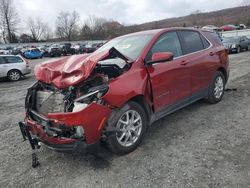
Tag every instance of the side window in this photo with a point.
(192, 41)
(205, 43)
(2, 61)
(168, 42)
(13, 59)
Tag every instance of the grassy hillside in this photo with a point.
(218, 18)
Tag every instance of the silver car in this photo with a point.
(13, 67)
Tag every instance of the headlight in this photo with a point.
(233, 46)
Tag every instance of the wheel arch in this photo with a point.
(141, 100)
(224, 72)
(15, 70)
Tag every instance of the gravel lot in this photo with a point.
(199, 146)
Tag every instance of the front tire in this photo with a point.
(14, 75)
(216, 88)
(130, 127)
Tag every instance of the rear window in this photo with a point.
(192, 41)
(13, 59)
(215, 37)
(206, 44)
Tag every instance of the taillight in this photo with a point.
(26, 62)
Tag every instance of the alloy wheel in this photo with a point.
(219, 87)
(129, 128)
(14, 75)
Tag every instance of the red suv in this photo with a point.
(113, 94)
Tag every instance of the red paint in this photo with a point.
(160, 84)
(68, 71)
(227, 28)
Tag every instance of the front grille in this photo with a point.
(49, 102)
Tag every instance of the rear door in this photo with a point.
(14, 62)
(3, 67)
(170, 80)
(201, 59)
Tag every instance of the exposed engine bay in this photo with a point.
(45, 98)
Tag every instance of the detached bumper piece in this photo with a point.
(26, 135)
(33, 143)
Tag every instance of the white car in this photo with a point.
(13, 67)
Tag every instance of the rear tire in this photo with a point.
(238, 50)
(130, 125)
(216, 88)
(248, 48)
(14, 75)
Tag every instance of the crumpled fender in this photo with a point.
(127, 86)
(92, 119)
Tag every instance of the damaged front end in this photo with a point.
(63, 115)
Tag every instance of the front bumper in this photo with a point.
(91, 119)
(34, 142)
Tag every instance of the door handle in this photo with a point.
(184, 62)
(211, 53)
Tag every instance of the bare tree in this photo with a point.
(9, 19)
(245, 3)
(48, 34)
(37, 28)
(195, 20)
(66, 25)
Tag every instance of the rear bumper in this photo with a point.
(26, 71)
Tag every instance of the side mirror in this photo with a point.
(159, 57)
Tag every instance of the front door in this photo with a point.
(170, 80)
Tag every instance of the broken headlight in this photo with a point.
(94, 94)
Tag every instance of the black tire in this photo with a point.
(213, 98)
(248, 48)
(112, 140)
(14, 75)
(238, 50)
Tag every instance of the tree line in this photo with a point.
(67, 27)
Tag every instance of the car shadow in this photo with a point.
(23, 78)
(163, 130)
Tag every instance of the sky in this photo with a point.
(124, 11)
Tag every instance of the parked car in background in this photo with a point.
(77, 48)
(212, 28)
(243, 26)
(17, 51)
(228, 27)
(33, 53)
(13, 67)
(52, 52)
(236, 44)
(130, 82)
(6, 50)
(67, 49)
(88, 49)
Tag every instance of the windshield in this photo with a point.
(230, 39)
(130, 46)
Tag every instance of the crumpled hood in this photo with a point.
(68, 71)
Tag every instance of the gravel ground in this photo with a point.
(201, 145)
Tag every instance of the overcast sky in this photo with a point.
(124, 11)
